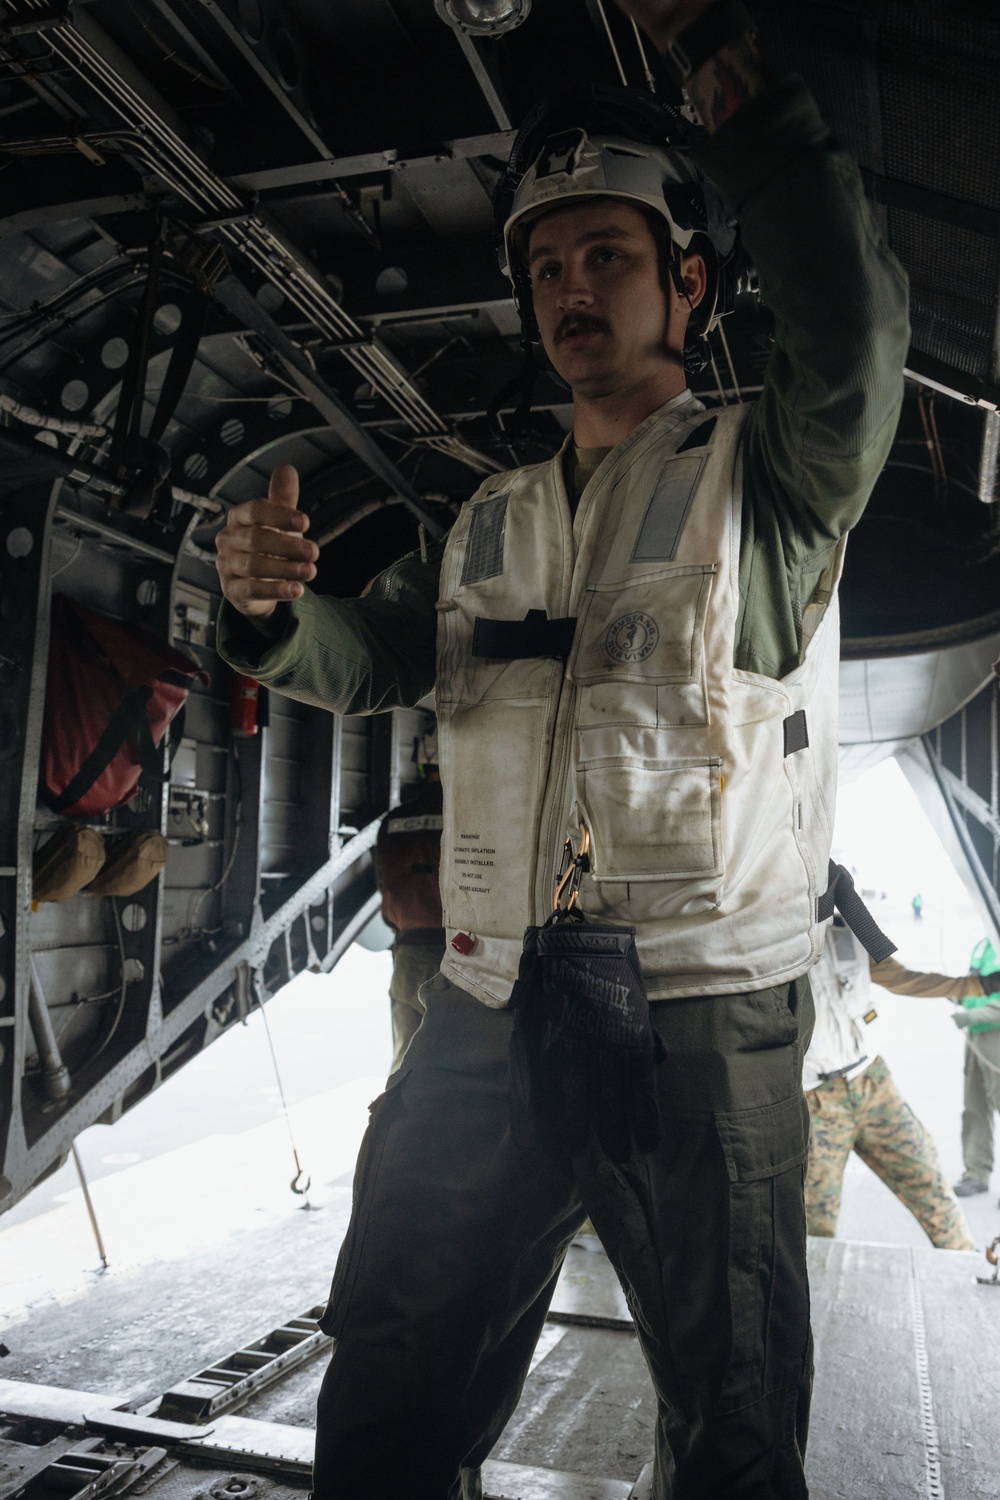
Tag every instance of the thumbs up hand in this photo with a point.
(264, 557)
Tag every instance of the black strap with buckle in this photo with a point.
(841, 894)
(842, 1072)
(514, 640)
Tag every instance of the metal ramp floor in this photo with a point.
(127, 1387)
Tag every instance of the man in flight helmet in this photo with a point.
(634, 646)
(606, 143)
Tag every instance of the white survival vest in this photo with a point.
(843, 1041)
(707, 837)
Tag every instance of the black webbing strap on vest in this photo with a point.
(840, 893)
(701, 437)
(796, 732)
(512, 640)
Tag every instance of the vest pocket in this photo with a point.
(645, 630)
(652, 821)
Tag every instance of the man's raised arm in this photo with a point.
(822, 428)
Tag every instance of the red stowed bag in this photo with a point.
(111, 692)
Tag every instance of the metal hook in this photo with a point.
(574, 867)
(994, 1260)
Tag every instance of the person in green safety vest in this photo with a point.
(979, 1018)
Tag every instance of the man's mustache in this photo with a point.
(572, 322)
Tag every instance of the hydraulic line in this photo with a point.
(31, 320)
(234, 296)
(192, 178)
(75, 289)
(33, 418)
(67, 321)
(56, 1082)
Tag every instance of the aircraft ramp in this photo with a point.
(198, 1379)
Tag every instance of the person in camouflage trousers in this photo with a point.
(869, 1115)
(854, 1105)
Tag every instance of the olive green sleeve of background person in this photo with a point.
(821, 430)
(354, 656)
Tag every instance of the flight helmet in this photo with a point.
(605, 142)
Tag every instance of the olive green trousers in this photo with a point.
(457, 1237)
(982, 1100)
(412, 965)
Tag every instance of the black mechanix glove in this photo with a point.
(583, 1051)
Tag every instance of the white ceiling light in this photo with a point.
(483, 17)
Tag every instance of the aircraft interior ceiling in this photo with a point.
(236, 232)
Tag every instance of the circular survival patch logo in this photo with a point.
(632, 637)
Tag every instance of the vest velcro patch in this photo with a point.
(663, 521)
(484, 548)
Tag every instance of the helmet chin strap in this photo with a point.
(521, 385)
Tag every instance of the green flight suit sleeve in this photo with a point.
(822, 428)
(354, 656)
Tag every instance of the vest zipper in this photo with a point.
(554, 811)
(556, 815)
(558, 797)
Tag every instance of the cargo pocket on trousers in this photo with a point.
(765, 1152)
(382, 1111)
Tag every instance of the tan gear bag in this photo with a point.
(132, 862)
(69, 861)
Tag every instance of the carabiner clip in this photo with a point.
(575, 865)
